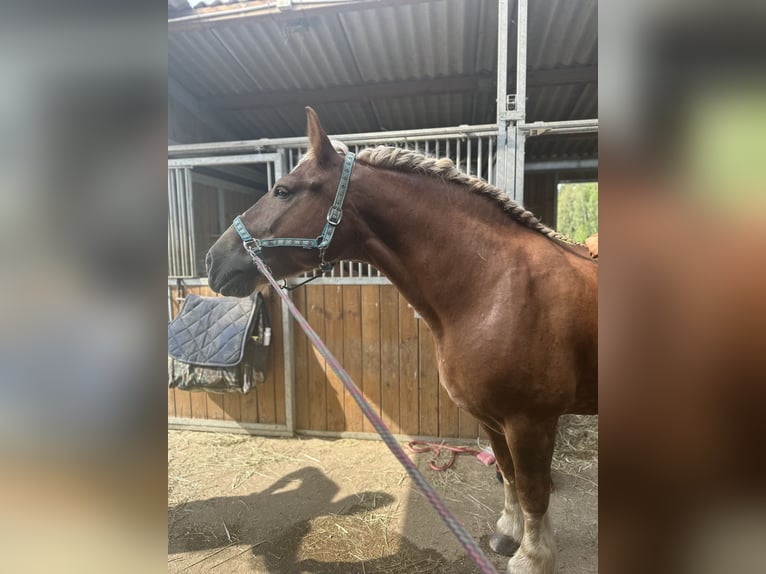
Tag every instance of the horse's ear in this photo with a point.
(320, 144)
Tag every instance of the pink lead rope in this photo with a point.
(467, 541)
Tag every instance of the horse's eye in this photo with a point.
(281, 193)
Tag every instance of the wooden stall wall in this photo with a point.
(385, 348)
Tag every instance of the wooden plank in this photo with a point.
(408, 368)
(352, 351)
(171, 403)
(232, 407)
(277, 356)
(448, 415)
(469, 427)
(267, 402)
(214, 406)
(183, 403)
(317, 381)
(301, 366)
(429, 382)
(371, 348)
(198, 404)
(389, 356)
(266, 399)
(248, 407)
(333, 305)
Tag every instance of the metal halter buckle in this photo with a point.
(334, 216)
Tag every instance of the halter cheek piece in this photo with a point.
(334, 215)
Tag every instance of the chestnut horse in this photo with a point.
(512, 306)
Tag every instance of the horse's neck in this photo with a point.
(435, 241)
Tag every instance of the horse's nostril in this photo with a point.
(208, 261)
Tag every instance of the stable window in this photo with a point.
(577, 209)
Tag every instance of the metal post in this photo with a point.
(172, 264)
(183, 222)
(190, 220)
(502, 96)
(175, 223)
(280, 164)
(289, 364)
(520, 111)
(518, 188)
(280, 168)
(520, 108)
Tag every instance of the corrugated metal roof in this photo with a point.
(189, 5)
(410, 42)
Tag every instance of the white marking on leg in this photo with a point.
(511, 522)
(537, 554)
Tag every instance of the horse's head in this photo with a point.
(296, 207)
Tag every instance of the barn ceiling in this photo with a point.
(376, 65)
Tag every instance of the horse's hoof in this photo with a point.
(503, 545)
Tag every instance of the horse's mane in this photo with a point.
(444, 168)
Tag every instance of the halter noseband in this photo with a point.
(334, 215)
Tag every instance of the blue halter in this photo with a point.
(334, 215)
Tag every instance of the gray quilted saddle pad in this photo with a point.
(211, 331)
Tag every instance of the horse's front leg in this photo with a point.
(531, 443)
(510, 527)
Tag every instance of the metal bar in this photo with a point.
(379, 280)
(375, 436)
(501, 165)
(171, 270)
(172, 256)
(348, 280)
(190, 220)
(561, 165)
(222, 160)
(189, 282)
(509, 162)
(280, 165)
(502, 63)
(183, 239)
(520, 110)
(479, 160)
(269, 181)
(289, 366)
(348, 139)
(468, 157)
(208, 425)
(518, 186)
(562, 127)
(491, 169)
(177, 225)
(173, 266)
(201, 17)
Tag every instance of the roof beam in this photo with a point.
(206, 17)
(388, 90)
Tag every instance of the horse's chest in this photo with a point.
(456, 382)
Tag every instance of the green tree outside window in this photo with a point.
(578, 210)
